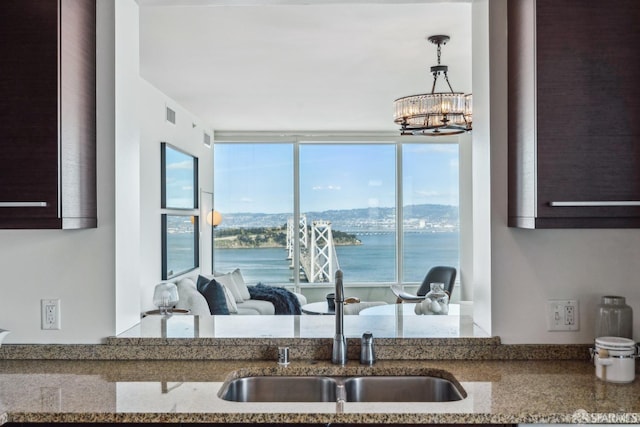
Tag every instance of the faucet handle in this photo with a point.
(367, 350)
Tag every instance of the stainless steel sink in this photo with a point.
(329, 389)
(280, 389)
(400, 389)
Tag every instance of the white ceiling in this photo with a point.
(284, 65)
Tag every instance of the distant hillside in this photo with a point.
(417, 217)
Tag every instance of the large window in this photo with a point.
(354, 187)
(179, 203)
(430, 208)
(253, 191)
(296, 211)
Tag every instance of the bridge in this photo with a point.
(318, 258)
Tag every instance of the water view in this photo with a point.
(372, 261)
(353, 187)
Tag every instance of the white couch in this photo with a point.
(237, 296)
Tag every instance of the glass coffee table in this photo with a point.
(317, 308)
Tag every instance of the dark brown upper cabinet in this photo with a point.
(574, 113)
(48, 114)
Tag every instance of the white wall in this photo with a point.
(481, 161)
(140, 128)
(184, 135)
(127, 165)
(528, 267)
(76, 266)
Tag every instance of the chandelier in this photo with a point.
(435, 113)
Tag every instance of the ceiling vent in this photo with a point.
(207, 140)
(171, 116)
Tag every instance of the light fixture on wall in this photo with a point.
(435, 113)
(214, 218)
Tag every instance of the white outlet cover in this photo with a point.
(50, 319)
(563, 315)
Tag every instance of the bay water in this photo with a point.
(372, 261)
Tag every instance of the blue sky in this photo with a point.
(179, 179)
(259, 177)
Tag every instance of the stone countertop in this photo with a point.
(497, 391)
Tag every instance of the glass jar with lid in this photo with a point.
(614, 318)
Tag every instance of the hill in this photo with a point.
(416, 217)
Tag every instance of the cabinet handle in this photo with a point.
(595, 203)
(23, 204)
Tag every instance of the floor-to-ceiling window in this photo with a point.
(255, 196)
(430, 201)
(383, 211)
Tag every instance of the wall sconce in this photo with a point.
(214, 218)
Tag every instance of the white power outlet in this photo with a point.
(563, 315)
(50, 313)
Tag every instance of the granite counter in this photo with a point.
(185, 391)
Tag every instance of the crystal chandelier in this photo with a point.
(435, 113)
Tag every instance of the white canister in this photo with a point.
(615, 359)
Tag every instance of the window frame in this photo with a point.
(195, 242)
(298, 139)
(164, 147)
(191, 211)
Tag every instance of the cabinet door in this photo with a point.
(47, 114)
(29, 111)
(574, 105)
(588, 106)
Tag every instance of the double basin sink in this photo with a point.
(318, 388)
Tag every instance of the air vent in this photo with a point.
(171, 116)
(207, 140)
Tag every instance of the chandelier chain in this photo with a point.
(446, 78)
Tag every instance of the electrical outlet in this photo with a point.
(50, 313)
(563, 315)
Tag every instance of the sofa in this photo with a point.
(237, 298)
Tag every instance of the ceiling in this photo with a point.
(291, 66)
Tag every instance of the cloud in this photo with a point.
(326, 188)
(375, 183)
(187, 164)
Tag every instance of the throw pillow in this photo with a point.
(242, 286)
(228, 281)
(214, 294)
(231, 301)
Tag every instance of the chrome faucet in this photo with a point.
(339, 353)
